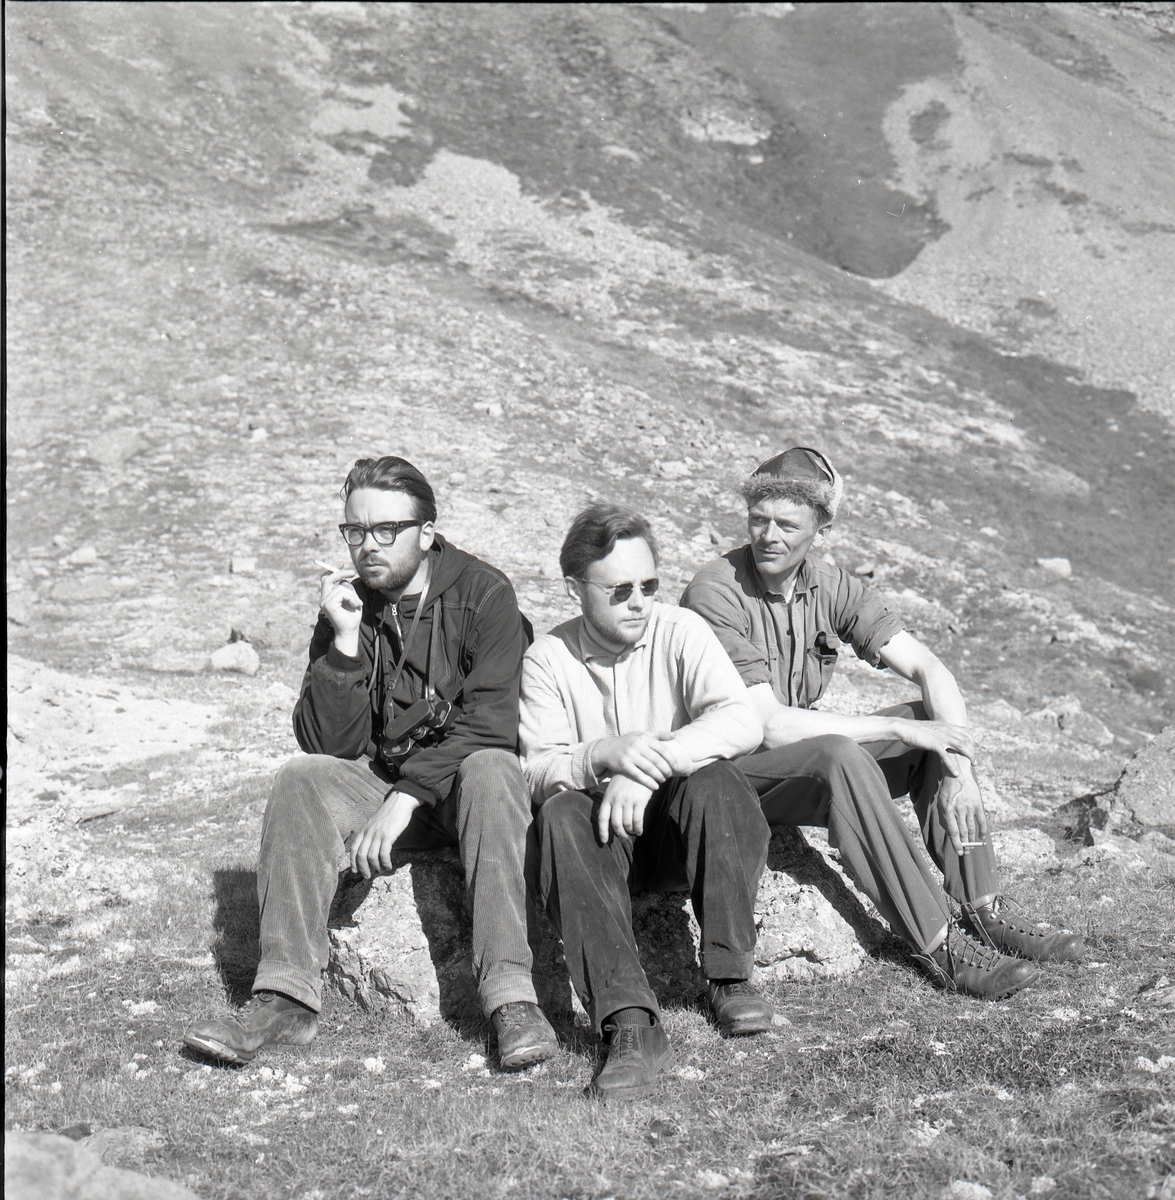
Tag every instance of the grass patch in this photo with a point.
(879, 1086)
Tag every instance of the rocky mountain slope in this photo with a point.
(549, 252)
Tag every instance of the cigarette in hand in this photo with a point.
(972, 843)
(327, 567)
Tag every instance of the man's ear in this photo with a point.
(822, 536)
(427, 534)
(571, 587)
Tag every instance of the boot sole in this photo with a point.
(636, 1091)
(218, 1050)
(528, 1056)
(745, 1028)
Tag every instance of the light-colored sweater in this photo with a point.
(676, 679)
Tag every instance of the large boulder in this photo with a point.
(1146, 788)
(404, 938)
(47, 1166)
(1143, 797)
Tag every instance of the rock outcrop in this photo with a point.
(404, 938)
(47, 1166)
(1143, 797)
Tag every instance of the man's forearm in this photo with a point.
(788, 725)
(941, 696)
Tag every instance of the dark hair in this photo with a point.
(816, 495)
(392, 474)
(594, 533)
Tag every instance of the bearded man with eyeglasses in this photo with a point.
(629, 716)
(408, 714)
(780, 611)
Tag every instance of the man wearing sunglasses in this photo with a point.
(629, 714)
(779, 609)
(409, 718)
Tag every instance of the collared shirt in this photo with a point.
(790, 644)
(676, 678)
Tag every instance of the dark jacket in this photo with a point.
(481, 642)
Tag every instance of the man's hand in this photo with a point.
(647, 757)
(947, 741)
(960, 808)
(623, 808)
(371, 851)
(341, 606)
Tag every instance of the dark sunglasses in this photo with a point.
(620, 592)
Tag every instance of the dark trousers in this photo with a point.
(708, 825)
(850, 789)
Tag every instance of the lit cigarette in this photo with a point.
(327, 567)
(972, 844)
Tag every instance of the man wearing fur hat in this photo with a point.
(779, 610)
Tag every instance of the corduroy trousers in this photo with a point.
(318, 802)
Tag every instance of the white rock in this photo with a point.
(236, 656)
(1146, 789)
(115, 446)
(963, 1189)
(1041, 1184)
(1062, 568)
(1024, 849)
(241, 564)
(83, 556)
(260, 434)
(279, 696)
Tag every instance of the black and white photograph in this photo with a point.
(590, 600)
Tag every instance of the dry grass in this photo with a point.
(880, 1086)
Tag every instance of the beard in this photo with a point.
(389, 577)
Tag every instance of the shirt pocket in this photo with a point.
(819, 668)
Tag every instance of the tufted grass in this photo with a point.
(879, 1086)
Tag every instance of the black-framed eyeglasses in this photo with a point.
(385, 533)
(620, 592)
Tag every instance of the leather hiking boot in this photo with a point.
(269, 1019)
(1001, 925)
(964, 964)
(739, 1009)
(636, 1054)
(524, 1034)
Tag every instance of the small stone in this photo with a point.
(866, 568)
(60, 540)
(83, 556)
(19, 610)
(713, 1181)
(236, 656)
(963, 1189)
(988, 531)
(240, 564)
(1062, 568)
(115, 446)
(376, 1066)
(491, 408)
(260, 434)
(1041, 1184)
(456, 478)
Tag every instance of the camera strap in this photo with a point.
(376, 688)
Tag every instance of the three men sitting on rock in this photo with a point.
(778, 608)
(654, 740)
(409, 718)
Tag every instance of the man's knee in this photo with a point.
(831, 754)
(491, 785)
(563, 818)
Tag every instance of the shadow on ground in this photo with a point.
(237, 923)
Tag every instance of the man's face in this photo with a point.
(618, 623)
(386, 568)
(781, 533)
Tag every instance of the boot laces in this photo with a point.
(623, 1042)
(514, 1014)
(1006, 911)
(970, 952)
(742, 987)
